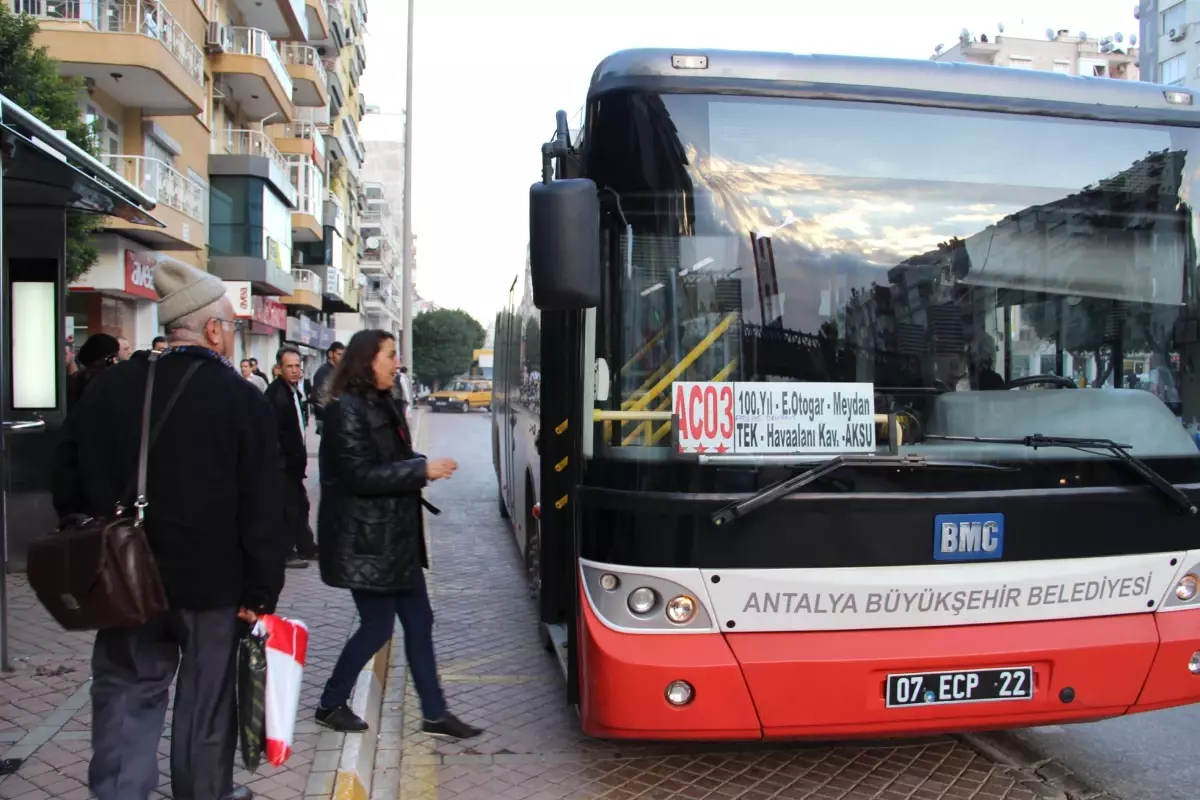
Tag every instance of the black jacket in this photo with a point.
(320, 384)
(214, 483)
(282, 398)
(370, 524)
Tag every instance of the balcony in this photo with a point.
(284, 20)
(376, 301)
(182, 203)
(252, 72)
(134, 50)
(307, 71)
(318, 20)
(303, 139)
(310, 195)
(306, 290)
(337, 91)
(251, 154)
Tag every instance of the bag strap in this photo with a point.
(148, 437)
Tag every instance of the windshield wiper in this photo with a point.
(778, 490)
(1120, 451)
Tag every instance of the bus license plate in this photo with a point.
(972, 686)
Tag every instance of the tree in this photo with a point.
(30, 78)
(443, 342)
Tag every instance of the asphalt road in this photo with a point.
(1141, 757)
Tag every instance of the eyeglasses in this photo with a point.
(236, 324)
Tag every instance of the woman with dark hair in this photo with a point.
(98, 353)
(371, 531)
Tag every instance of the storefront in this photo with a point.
(311, 338)
(117, 295)
(266, 321)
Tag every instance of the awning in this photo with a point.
(43, 170)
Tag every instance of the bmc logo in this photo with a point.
(968, 537)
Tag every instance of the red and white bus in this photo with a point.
(813, 415)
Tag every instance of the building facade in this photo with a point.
(1170, 41)
(1062, 51)
(239, 117)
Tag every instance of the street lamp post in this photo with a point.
(406, 300)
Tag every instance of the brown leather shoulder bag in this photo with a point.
(93, 573)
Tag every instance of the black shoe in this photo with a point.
(450, 727)
(295, 562)
(341, 719)
(239, 793)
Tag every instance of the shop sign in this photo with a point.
(240, 294)
(302, 330)
(270, 312)
(139, 274)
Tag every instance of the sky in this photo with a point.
(488, 78)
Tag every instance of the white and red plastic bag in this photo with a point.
(287, 649)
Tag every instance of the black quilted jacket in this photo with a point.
(370, 527)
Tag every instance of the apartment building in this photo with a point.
(1062, 51)
(1170, 41)
(239, 117)
(383, 259)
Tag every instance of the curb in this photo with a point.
(356, 766)
(1047, 777)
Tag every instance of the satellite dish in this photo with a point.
(1000, 27)
(964, 35)
(1133, 40)
(1083, 35)
(939, 49)
(372, 242)
(1050, 33)
(1120, 37)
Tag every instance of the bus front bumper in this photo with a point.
(808, 685)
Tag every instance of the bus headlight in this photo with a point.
(681, 609)
(641, 600)
(1186, 588)
(680, 693)
(1194, 663)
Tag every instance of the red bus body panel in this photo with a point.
(830, 684)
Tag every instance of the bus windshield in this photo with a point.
(991, 275)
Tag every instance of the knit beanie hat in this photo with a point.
(183, 289)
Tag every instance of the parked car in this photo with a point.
(463, 394)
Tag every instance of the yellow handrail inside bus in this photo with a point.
(641, 390)
(653, 340)
(705, 343)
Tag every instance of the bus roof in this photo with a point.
(894, 80)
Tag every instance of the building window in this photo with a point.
(1174, 17)
(1062, 67)
(1020, 62)
(105, 130)
(1173, 70)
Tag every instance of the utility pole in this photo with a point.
(407, 283)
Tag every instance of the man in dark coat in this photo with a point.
(291, 419)
(320, 382)
(213, 521)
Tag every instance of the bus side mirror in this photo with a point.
(564, 245)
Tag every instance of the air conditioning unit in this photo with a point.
(216, 38)
(1177, 34)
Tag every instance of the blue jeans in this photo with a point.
(377, 618)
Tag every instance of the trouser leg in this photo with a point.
(416, 616)
(132, 671)
(297, 515)
(377, 620)
(204, 727)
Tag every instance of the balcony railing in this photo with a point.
(305, 130)
(146, 17)
(162, 182)
(306, 56)
(305, 280)
(385, 299)
(254, 143)
(255, 42)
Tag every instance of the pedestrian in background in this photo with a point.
(214, 523)
(126, 349)
(288, 403)
(372, 532)
(159, 344)
(248, 374)
(98, 353)
(320, 382)
(254, 368)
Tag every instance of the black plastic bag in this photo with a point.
(252, 698)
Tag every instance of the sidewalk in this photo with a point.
(45, 708)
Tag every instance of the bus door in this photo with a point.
(510, 385)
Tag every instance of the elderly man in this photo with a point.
(287, 399)
(213, 521)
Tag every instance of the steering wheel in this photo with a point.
(1031, 380)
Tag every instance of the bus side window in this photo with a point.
(531, 361)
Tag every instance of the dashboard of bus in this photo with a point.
(981, 275)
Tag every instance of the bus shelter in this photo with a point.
(45, 178)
